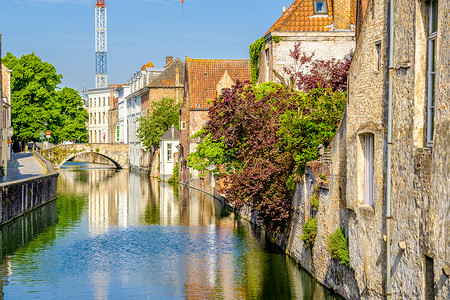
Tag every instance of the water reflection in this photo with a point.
(121, 235)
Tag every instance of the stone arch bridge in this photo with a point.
(116, 153)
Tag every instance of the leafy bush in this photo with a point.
(314, 201)
(309, 232)
(338, 246)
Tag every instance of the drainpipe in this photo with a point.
(389, 144)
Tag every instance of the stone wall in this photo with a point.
(420, 197)
(19, 197)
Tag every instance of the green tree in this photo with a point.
(162, 114)
(35, 101)
(73, 116)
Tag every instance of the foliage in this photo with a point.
(312, 121)
(162, 114)
(258, 135)
(174, 177)
(208, 153)
(309, 73)
(73, 116)
(2, 171)
(276, 39)
(255, 53)
(338, 246)
(323, 177)
(309, 232)
(314, 201)
(36, 100)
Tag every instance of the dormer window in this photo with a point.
(320, 7)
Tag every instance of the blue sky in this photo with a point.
(62, 32)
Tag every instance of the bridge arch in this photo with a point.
(116, 153)
(68, 158)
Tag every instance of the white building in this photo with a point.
(99, 104)
(168, 145)
(138, 89)
(122, 129)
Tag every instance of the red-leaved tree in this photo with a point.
(309, 73)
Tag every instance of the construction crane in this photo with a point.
(101, 73)
(182, 9)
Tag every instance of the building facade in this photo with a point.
(205, 79)
(99, 105)
(138, 91)
(168, 146)
(121, 127)
(401, 162)
(323, 27)
(387, 169)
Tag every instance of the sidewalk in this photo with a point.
(23, 165)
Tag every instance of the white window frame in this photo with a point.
(431, 72)
(169, 152)
(267, 64)
(369, 171)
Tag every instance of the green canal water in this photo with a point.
(118, 235)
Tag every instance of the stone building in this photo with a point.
(205, 80)
(323, 27)
(387, 169)
(417, 157)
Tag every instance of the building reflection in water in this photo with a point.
(136, 233)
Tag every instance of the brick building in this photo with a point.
(168, 84)
(205, 80)
(323, 27)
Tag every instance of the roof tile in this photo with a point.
(204, 74)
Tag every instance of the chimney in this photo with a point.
(342, 19)
(169, 59)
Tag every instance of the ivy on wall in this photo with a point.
(255, 53)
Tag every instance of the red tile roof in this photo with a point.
(148, 65)
(204, 74)
(300, 17)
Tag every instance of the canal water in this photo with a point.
(112, 234)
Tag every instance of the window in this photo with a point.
(169, 152)
(103, 101)
(320, 7)
(429, 278)
(183, 125)
(378, 55)
(267, 64)
(431, 69)
(117, 133)
(368, 169)
(104, 119)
